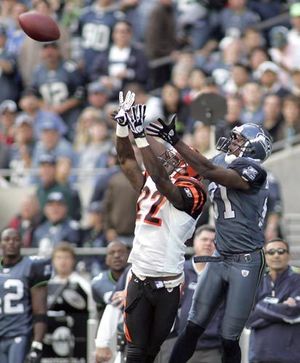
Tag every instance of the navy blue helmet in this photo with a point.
(257, 142)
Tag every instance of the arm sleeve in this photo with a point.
(279, 312)
(193, 195)
(108, 326)
(250, 171)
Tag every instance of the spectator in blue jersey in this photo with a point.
(238, 188)
(57, 227)
(48, 183)
(51, 141)
(123, 62)
(95, 26)
(60, 84)
(274, 321)
(103, 284)
(23, 293)
(30, 103)
(9, 81)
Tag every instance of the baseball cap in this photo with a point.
(295, 10)
(8, 106)
(266, 66)
(97, 87)
(47, 159)
(56, 197)
(23, 118)
(95, 207)
(50, 124)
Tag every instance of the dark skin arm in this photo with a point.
(227, 177)
(39, 306)
(128, 163)
(161, 178)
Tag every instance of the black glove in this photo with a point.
(36, 352)
(136, 121)
(164, 131)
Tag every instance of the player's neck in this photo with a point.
(10, 261)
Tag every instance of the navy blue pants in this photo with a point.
(14, 350)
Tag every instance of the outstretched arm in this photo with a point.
(200, 163)
(153, 166)
(124, 148)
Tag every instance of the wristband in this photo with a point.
(122, 131)
(37, 345)
(141, 142)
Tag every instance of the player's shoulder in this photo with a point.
(249, 169)
(103, 275)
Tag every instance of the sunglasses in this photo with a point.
(280, 251)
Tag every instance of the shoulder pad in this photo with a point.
(97, 278)
(70, 66)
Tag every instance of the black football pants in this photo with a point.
(149, 315)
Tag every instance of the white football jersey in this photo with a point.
(161, 229)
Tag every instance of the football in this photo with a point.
(39, 27)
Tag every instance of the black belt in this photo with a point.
(237, 257)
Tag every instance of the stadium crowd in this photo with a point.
(56, 101)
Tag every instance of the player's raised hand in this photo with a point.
(124, 107)
(164, 130)
(136, 121)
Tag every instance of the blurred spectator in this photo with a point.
(31, 104)
(123, 62)
(4, 155)
(236, 17)
(64, 263)
(29, 53)
(153, 103)
(173, 104)
(274, 321)
(273, 217)
(94, 236)
(279, 49)
(232, 118)
(193, 23)
(291, 118)
(98, 145)
(295, 82)
(6, 8)
(160, 41)
(27, 220)
(200, 137)
(15, 35)
(196, 83)
(239, 76)
(9, 78)
(252, 98)
(21, 150)
(8, 112)
(63, 172)
(57, 227)
(94, 29)
(268, 76)
(98, 96)
(258, 56)
(252, 38)
(60, 84)
(272, 119)
(52, 142)
(111, 168)
(293, 37)
(103, 284)
(47, 184)
(120, 209)
(85, 121)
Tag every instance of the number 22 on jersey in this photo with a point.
(152, 202)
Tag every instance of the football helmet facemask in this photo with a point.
(249, 140)
(174, 163)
